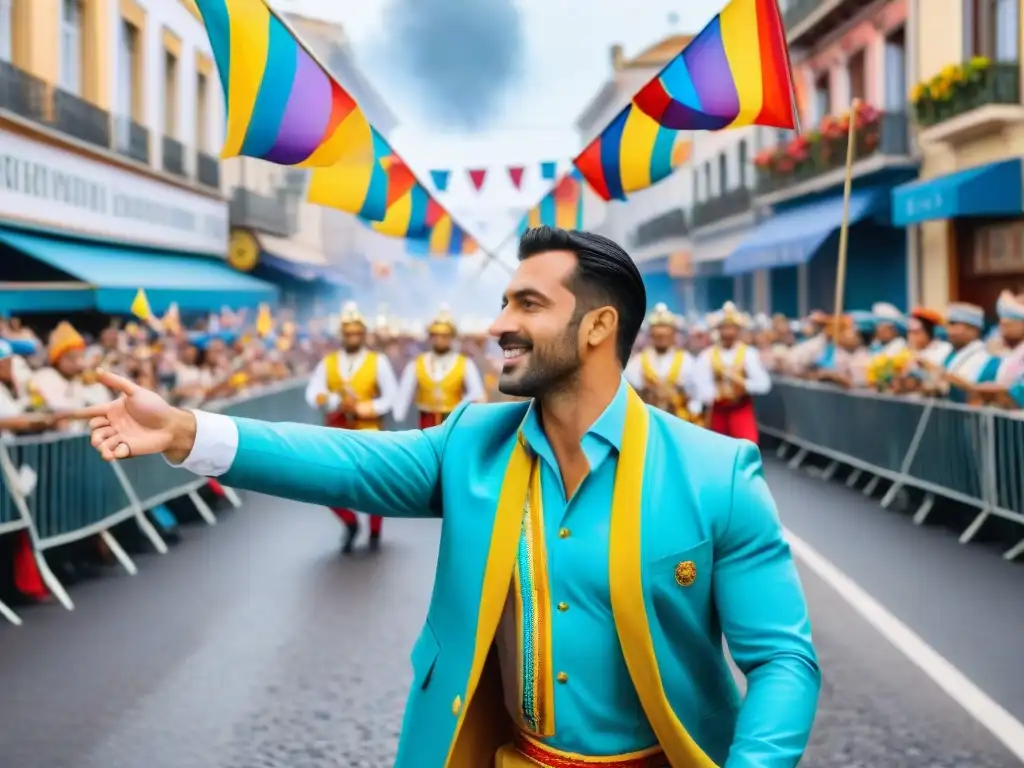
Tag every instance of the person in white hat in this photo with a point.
(969, 363)
(1010, 309)
(439, 380)
(354, 387)
(728, 374)
(663, 374)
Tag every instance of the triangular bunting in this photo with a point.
(440, 179)
(477, 176)
(515, 173)
(548, 170)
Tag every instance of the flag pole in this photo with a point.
(844, 228)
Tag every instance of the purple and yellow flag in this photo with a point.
(735, 72)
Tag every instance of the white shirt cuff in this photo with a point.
(215, 447)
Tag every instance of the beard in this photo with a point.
(546, 368)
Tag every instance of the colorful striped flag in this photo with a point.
(365, 188)
(412, 216)
(282, 106)
(735, 72)
(631, 154)
(449, 239)
(561, 207)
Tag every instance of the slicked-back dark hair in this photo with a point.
(605, 275)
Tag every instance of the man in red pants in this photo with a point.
(439, 380)
(729, 373)
(355, 388)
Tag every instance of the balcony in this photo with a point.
(23, 94)
(263, 213)
(808, 21)
(968, 100)
(131, 140)
(732, 203)
(816, 160)
(174, 156)
(672, 223)
(76, 117)
(208, 170)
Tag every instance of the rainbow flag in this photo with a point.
(412, 216)
(449, 239)
(365, 187)
(735, 72)
(561, 207)
(631, 154)
(282, 106)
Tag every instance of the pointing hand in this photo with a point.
(138, 423)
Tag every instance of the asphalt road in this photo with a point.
(254, 645)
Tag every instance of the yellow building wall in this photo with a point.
(37, 50)
(940, 43)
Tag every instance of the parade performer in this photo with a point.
(728, 374)
(594, 550)
(354, 387)
(662, 373)
(438, 380)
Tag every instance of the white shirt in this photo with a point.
(386, 384)
(661, 363)
(438, 366)
(757, 380)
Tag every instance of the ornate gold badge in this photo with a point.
(686, 573)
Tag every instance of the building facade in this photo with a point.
(843, 52)
(964, 213)
(110, 122)
(654, 224)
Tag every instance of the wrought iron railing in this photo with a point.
(208, 170)
(730, 203)
(673, 223)
(174, 156)
(131, 139)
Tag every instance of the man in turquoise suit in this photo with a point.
(594, 551)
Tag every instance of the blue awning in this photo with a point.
(986, 190)
(114, 274)
(793, 236)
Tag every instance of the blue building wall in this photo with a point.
(876, 269)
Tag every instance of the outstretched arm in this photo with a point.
(383, 473)
(765, 621)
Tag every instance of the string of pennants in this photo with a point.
(478, 177)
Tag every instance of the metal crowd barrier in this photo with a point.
(57, 488)
(970, 455)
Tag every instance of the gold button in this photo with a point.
(563, 533)
(562, 677)
(457, 705)
(563, 606)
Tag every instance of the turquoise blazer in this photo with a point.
(704, 558)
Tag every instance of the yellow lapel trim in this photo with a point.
(627, 593)
(498, 573)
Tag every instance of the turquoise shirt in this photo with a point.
(596, 708)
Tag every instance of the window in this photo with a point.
(696, 187)
(709, 191)
(856, 72)
(744, 164)
(71, 46)
(128, 75)
(822, 98)
(896, 71)
(723, 173)
(170, 94)
(999, 249)
(990, 29)
(6, 29)
(202, 99)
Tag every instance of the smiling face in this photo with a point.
(539, 328)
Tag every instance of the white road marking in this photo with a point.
(976, 702)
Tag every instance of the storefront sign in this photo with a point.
(44, 186)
